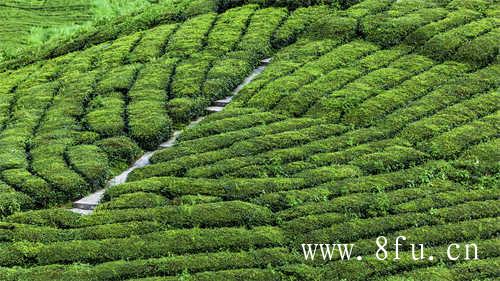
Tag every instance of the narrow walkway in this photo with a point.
(87, 204)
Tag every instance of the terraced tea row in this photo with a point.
(140, 86)
(374, 118)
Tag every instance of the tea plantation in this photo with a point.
(27, 24)
(374, 118)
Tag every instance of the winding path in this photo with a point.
(87, 204)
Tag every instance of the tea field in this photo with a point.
(32, 23)
(374, 118)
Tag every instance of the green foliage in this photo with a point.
(372, 118)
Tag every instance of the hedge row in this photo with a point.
(189, 37)
(226, 188)
(156, 14)
(481, 159)
(106, 114)
(285, 61)
(484, 269)
(390, 159)
(152, 44)
(185, 90)
(223, 40)
(274, 159)
(229, 124)
(371, 267)
(334, 223)
(148, 122)
(452, 142)
(229, 113)
(229, 28)
(106, 110)
(287, 161)
(317, 200)
(452, 117)
(372, 183)
(90, 162)
(14, 136)
(11, 80)
(338, 57)
(368, 7)
(346, 232)
(375, 73)
(136, 200)
(33, 186)
(352, 153)
(121, 151)
(193, 153)
(388, 30)
(259, 32)
(253, 46)
(48, 132)
(117, 53)
(482, 50)
(43, 234)
(375, 110)
(227, 47)
(106, 224)
(48, 151)
(297, 23)
(452, 20)
(448, 198)
(204, 144)
(443, 46)
(12, 201)
(235, 274)
(260, 144)
(473, 231)
(427, 103)
(218, 214)
(120, 270)
(151, 245)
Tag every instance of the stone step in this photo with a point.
(171, 141)
(213, 109)
(89, 202)
(266, 61)
(223, 102)
(85, 205)
(81, 211)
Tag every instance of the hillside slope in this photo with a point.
(373, 118)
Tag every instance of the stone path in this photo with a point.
(85, 205)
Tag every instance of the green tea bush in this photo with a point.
(33, 186)
(297, 23)
(89, 161)
(134, 200)
(444, 45)
(204, 144)
(145, 246)
(389, 30)
(343, 55)
(452, 116)
(481, 158)
(120, 149)
(158, 266)
(452, 20)
(152, 43)
(374, 109)
(105, 114)
(182, 110)
(230, 124)
(188, 38)
(228, 188)
(454, 141)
